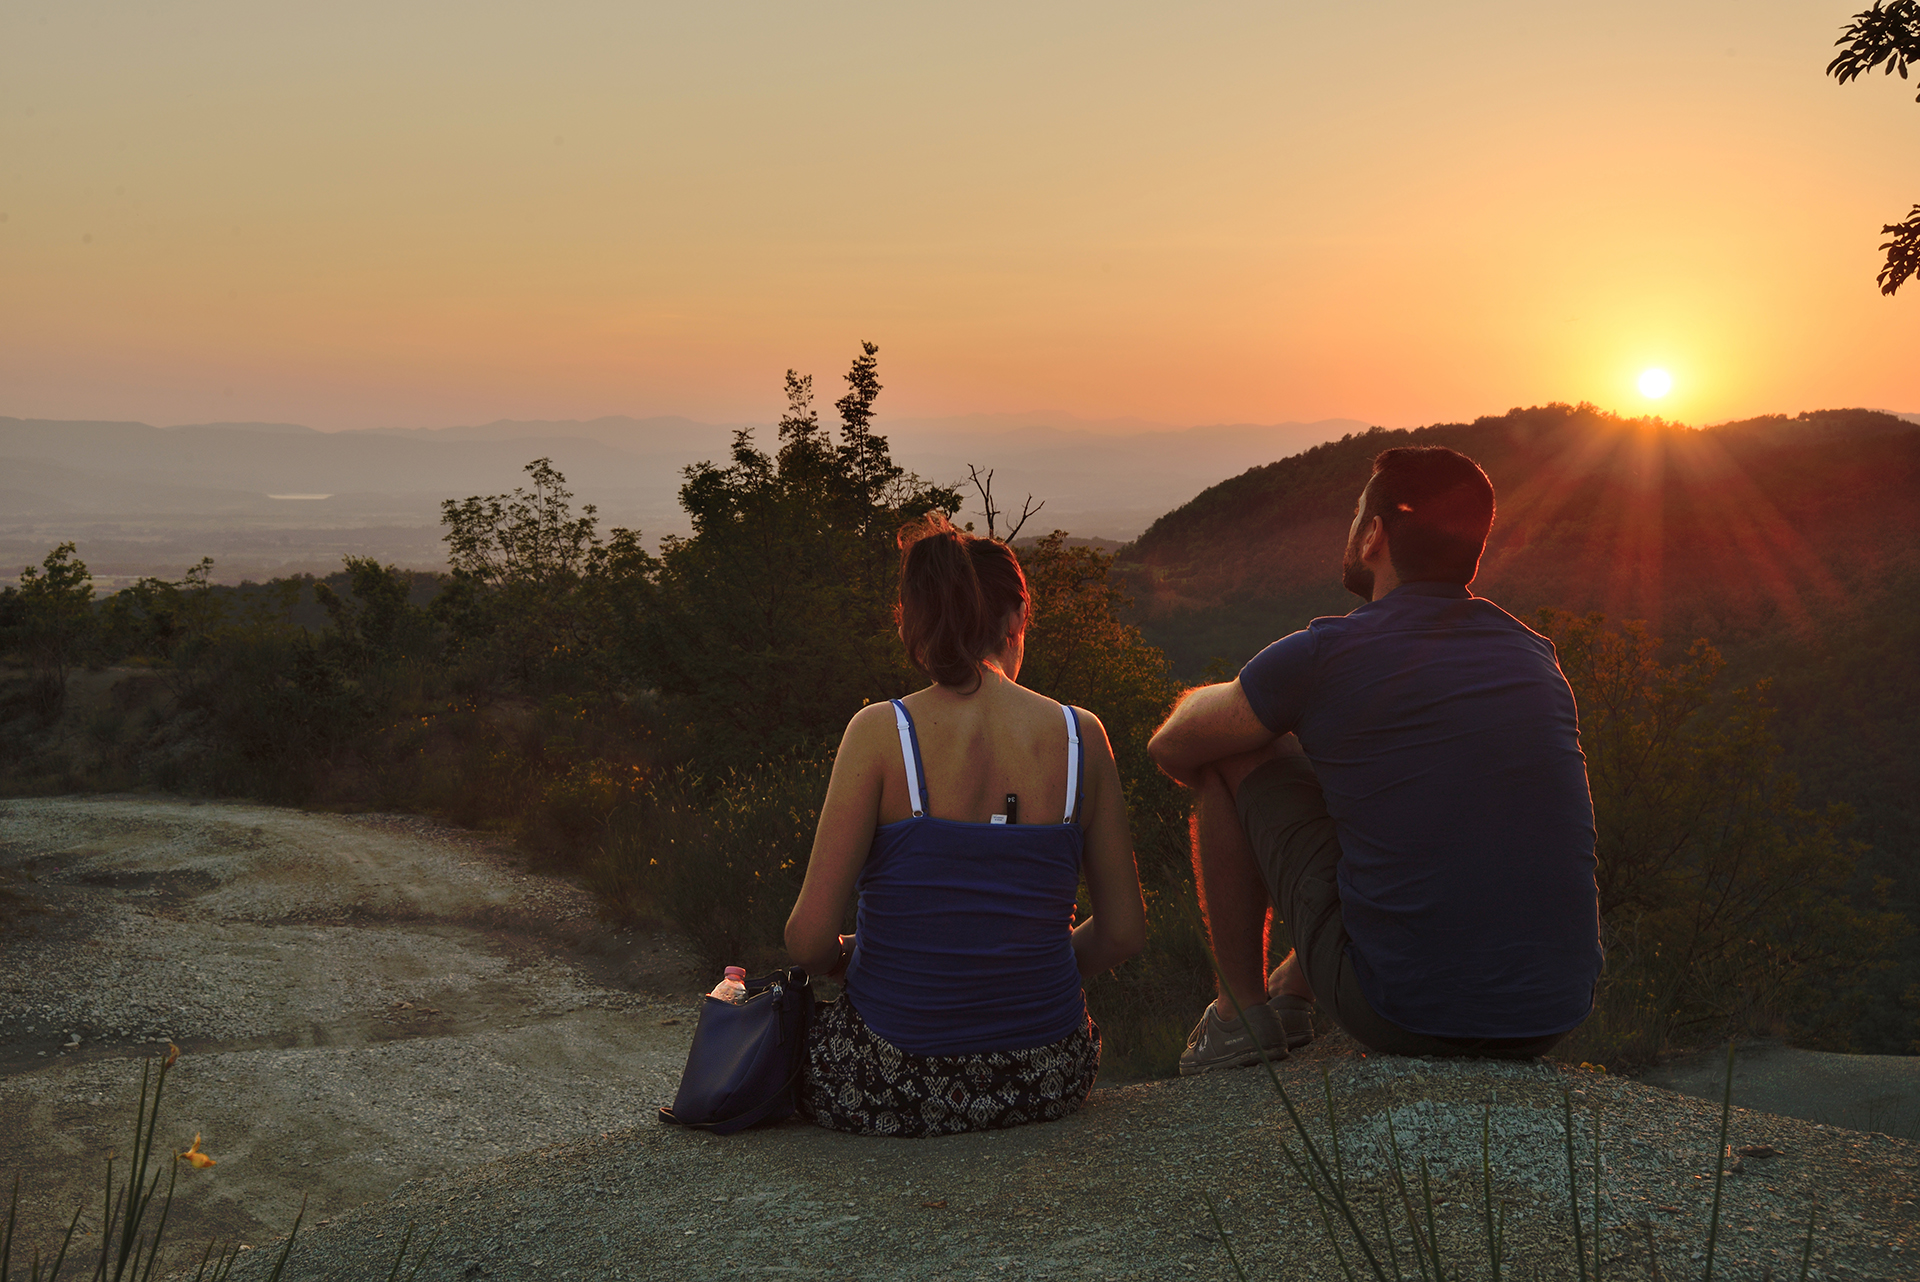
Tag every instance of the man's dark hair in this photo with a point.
(1437, 506)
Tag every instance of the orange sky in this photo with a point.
(346, 216)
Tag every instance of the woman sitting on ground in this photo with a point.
(963, 1008)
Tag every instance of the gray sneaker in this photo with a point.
(1295, 1016)
(1215, 1043)
(1294, 1013)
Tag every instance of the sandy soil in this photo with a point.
(361, 1000)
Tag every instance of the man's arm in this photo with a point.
(1208, 724)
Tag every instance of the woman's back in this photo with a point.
(964, 935)
(977, 748)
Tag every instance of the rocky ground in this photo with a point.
(398, 1023)
(360, 1001)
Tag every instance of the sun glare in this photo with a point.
(1655, 383)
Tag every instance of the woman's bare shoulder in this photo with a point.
(871, 720)
(1092, 729)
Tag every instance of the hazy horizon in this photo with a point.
(275, 499)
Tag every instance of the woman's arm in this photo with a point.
(1118, 927)
(840, 843)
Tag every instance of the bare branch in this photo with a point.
(983, 482)
(1027, 509)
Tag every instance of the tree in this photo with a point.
(519, 561)
(1724, 903)
(1886, 36)
(55, 611)
(773, 621)
(377, 620)
(162, 618)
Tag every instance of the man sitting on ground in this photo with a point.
(1404, 786)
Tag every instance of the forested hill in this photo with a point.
(1741, 533)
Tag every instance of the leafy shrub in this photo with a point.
(575, 813)
(721, 855)
(1724, 903)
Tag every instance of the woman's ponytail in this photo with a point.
(956, 592)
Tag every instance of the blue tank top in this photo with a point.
(963, 943)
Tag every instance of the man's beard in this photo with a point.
(1355, 577)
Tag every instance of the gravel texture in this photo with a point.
(362, 1000)
(379, 1012)
(1118, 1190)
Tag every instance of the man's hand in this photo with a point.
(1208, 724)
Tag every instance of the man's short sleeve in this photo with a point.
(1276, 681)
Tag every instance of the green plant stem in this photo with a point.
(1433, 1228)
(287, 1250)
(166, 1208)
(1653, 1255)
(1212, 1211)
(1719, 1165)
(427, 1251)
(1386, 1233)
(1573, 1186)
(1325, 1206)
(1806, 1252)
(1597, 1168)
(400, 1256)
(1486, 1191)
(1406, 1202)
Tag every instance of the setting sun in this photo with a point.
(1655, 383)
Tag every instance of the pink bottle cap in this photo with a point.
(736, 972)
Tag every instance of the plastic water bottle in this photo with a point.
(733, 988)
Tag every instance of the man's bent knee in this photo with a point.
(1234, 770)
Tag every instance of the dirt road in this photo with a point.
(361, 1000)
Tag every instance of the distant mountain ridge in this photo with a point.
(1731, 531)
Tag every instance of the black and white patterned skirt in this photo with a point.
(858, 1081)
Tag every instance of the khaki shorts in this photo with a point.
(1285, 817)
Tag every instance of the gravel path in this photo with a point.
(484, 1067)
(361, 1000)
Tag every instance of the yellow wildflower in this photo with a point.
(194, 1155)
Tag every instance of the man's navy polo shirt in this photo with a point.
(1447, 743)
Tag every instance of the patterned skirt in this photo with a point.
(858, 1081)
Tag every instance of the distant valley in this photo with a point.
(268, 499)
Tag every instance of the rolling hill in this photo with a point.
(1735, 532)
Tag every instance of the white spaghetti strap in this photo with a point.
(905, 726)
(1073, 762)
